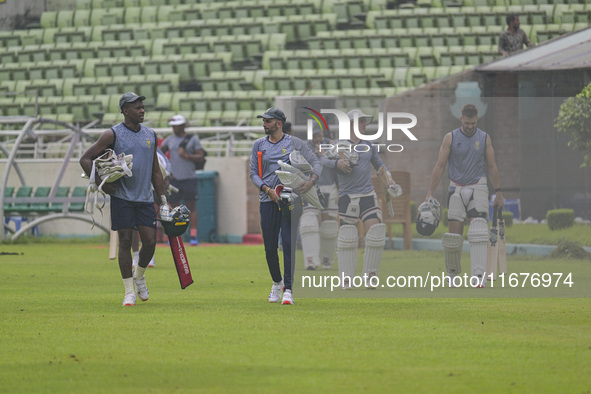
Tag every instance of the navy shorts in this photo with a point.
(368, 208)
(130, 214)
(187, 190)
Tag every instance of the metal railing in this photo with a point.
(223, 141)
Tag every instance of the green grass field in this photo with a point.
(62, 329)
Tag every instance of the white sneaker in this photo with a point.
(141, 288)
(450, 281)
(346, 284)
(152, 263)
(481, 282)
(370, 284)
(129, 299)
(275, 295)
(287, 298)
(134, 262)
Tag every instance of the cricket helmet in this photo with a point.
(428, 217)
(178, 223)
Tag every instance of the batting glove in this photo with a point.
(164, 209)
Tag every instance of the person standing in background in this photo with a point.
(185, 153)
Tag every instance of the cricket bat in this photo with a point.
(180, 260)
(260, 163)
(493, 250)
(113, 241)
(502, 253)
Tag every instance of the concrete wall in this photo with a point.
(18, 14)
(231, 187)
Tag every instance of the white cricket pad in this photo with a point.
(466, 198)
(331, 194)
(452, 248)
(348, 239)
(309, 232)
(375, 239)
(328, 242)
(478, 238)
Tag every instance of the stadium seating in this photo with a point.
(247, 51)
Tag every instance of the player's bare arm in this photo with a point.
(493, 174)
(195, 157)
(306, 186)
(106, 140)
(442, 158)
(344, 166)
(309, 155)
(157, 180)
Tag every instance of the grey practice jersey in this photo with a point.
(273, 152)
(181, 168)
(359, 180)
(329, 174)
(467, 159)
(142, 145)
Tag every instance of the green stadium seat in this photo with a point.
(422, 40)
(147, 14)
(30, 37)
(469, 39)
(426, 57)
(132, 3)
(22, 192)
(10, 107)
(109, 3)
(404, 39)
(83, 4)
(65, 18)
(6, 74)
(70, 35)
(458, 19)
(8, 192)
(48, 19)
(7, 39)
(79, 191)
(103, 16)
(442, 20)
(41, 191)
(133, 15)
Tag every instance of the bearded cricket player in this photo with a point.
(468, 153)
(271, 154)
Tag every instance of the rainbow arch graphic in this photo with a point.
(317, 117)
